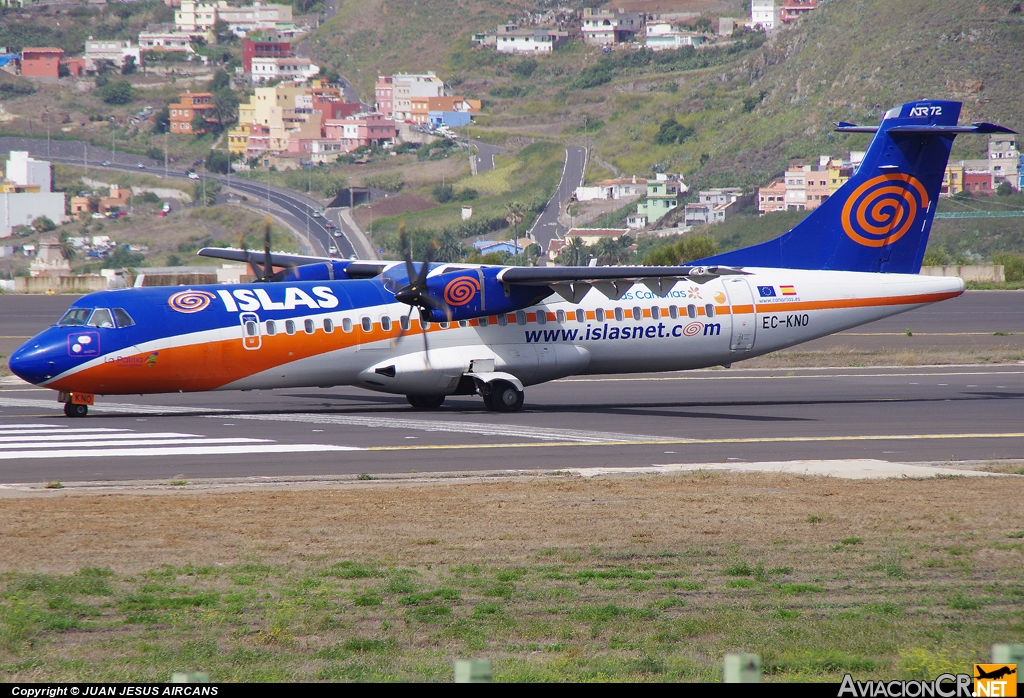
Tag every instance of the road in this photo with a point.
(904, 414)
(296, 209)
(485, 153)
(546, 227)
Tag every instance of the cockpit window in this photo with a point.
(123, 318)
(101, 317)
(75, 317)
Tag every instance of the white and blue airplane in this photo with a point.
(494, 329)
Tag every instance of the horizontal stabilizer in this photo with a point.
(933, 129)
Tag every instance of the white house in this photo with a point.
(1004, 158)
(297, 69)
(165, 41)
(624, 188)
(407, 85)
(27, 171)
(111, 50)
(765, 14)
(23, 208)
(531, 42)
(603, 27)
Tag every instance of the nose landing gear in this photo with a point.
(75, 404)
(73, 410)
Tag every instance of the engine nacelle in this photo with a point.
(321, 271)
(473, 293)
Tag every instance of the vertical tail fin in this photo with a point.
(880, 219)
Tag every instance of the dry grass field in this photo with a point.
(553, 578)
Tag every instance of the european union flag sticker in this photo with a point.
(84, 344)
(766, 291)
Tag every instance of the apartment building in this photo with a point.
(185, 109)
(406, 86)
(606, 27)
(117, 52)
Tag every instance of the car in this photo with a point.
(193, 175)
(105, 163)
(141, 166)
(329, 225)
(332, 250)
(337, 233)
(317, 214)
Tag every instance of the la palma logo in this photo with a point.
(883, 209)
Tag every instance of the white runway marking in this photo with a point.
(846, 469)
(482, 429)
(117, 407)
(50, 441)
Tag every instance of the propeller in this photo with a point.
(415, 294)
(264, 273)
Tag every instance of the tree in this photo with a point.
(574, 252)
(1004, 189)
(199, 122)
(67, 250)
(443, 193)
(220, 80)
(611, 251)
(222, 31)
(104, 67)
(129, 66)
(672, 132)
(217, 161)
(117, 92)
(225, 103)
(162, 124)
(449, 248)
(42, 224)
(515, 212)
(332, 77)
(210, 188)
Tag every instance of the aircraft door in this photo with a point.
(251, 338)
(744, 318)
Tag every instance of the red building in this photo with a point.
(793, 10)
(385, 94)
(75, 66)
(978, 182)
(334, 107)
(263, 49)
(41, 62)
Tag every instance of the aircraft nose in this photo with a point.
(33, 362)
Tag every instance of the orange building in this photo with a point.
(186, 109)
(41, 62)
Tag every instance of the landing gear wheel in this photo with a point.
(420, 402)
(73, 410)
(504, 397)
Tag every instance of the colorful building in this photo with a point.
(41, 62)
(185, 110)
(263, 49)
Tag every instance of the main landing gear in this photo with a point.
(503, 397)
(420, 402)
(73, 410)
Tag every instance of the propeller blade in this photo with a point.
(426, 348)
(268, 268)
(410, 269)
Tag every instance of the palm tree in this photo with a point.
(515, 212)
(576, 246)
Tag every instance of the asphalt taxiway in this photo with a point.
(906, 414)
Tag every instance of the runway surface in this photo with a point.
(910, 414)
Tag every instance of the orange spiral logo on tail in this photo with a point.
(461, 290)
(881, 211)
(190, 301)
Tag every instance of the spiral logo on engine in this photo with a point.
(190, 301)
(881, 211)
(461, 290)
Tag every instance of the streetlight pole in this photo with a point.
(165, 154)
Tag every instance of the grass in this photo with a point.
(342, 586)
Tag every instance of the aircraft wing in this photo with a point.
(355, 270)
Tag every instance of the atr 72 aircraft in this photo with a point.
(494, 329)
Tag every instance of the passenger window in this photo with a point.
(709, 310)
(503, 319)
(328, 325)
(385, 324)
(251, 328)
(673, 312)
(404, 322)
(444, 325)
(271, 328)
(619, 314)
(637, 314)
(520, 317)
(542, 317)
(483, 321)
(600, 314)
(425, 324)
(346, 324)
(101, 317)
(463, 323)
(75, 317)
(691, 310)
(365, 322)
(580, 315)
(559, 316)
(123, 318)
(309, 326)
(655, 312)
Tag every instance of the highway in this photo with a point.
(546, 226)
(904, 414)
(291, 206)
